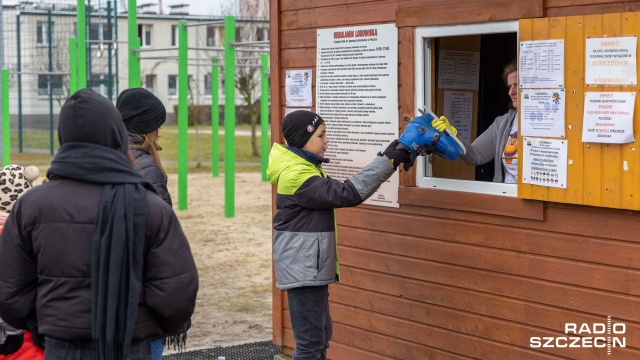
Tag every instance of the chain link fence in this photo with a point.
(35, 50)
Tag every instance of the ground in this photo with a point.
(233, 256)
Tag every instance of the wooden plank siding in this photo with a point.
(452, 275)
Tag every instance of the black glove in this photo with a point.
(11, 344)
(399, 153)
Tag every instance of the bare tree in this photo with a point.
(248, 77)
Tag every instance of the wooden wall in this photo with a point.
(454, 275)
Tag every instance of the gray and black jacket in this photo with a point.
(490, 144)
(304, 240)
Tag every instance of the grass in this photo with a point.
(199, 160)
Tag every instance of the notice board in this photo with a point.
(598, 174)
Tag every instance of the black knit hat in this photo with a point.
(142, 112)
(299, 126)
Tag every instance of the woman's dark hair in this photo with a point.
(508, 69)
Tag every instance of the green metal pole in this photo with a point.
(183, 113)
(229, 116)
(264, 115)
(6, 125)
(73, 65)
(215, 119)
(134, 43)
(82, 44)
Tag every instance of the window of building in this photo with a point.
(211, 36)
(42, 33)
(207, 84)
(100, 83)
(496, 45)
(262, 34)
(172, 85)
(57, 85)
(94, 31)
(239, 35)
(150, 82)
(144, 33)
(174, 35)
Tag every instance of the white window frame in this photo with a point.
(44, 32)
(174, 36)
(146, 28)
(423, 97)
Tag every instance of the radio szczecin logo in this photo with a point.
(596, 335)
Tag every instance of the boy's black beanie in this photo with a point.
(299, 126)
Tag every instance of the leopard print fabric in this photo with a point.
(12, 185)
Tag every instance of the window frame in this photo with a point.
(56, 95)
(42, 29)
(174, 35)
(175, 95)
(143, 29)
(423, 95)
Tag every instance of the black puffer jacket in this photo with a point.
(46, 251)
(148, 168)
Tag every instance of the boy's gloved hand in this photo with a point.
(443, 124)
(399, 153)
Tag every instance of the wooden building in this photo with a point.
(460, 271)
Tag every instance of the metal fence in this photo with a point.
(35, 49)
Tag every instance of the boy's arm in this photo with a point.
(326, 193)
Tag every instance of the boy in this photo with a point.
(304, 240)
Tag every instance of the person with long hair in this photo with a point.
(143, 114)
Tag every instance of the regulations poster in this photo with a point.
(543, 112)
(298, 87)
(541, 64)
(608, 117)
(611, 61)
(545, 162)
(357, 96)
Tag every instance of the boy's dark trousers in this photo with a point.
(75, 350)
(310, 321)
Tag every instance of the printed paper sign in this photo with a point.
(357, 96)
(458, 108)
(541, 64)
(611, 61)
(608, 117)
(459, 70)
(545, 162)
(298, 87)
(543, 112)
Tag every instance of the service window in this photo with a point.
(459, 74)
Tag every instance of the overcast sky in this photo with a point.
(196, 7)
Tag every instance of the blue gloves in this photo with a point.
(416, 133)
